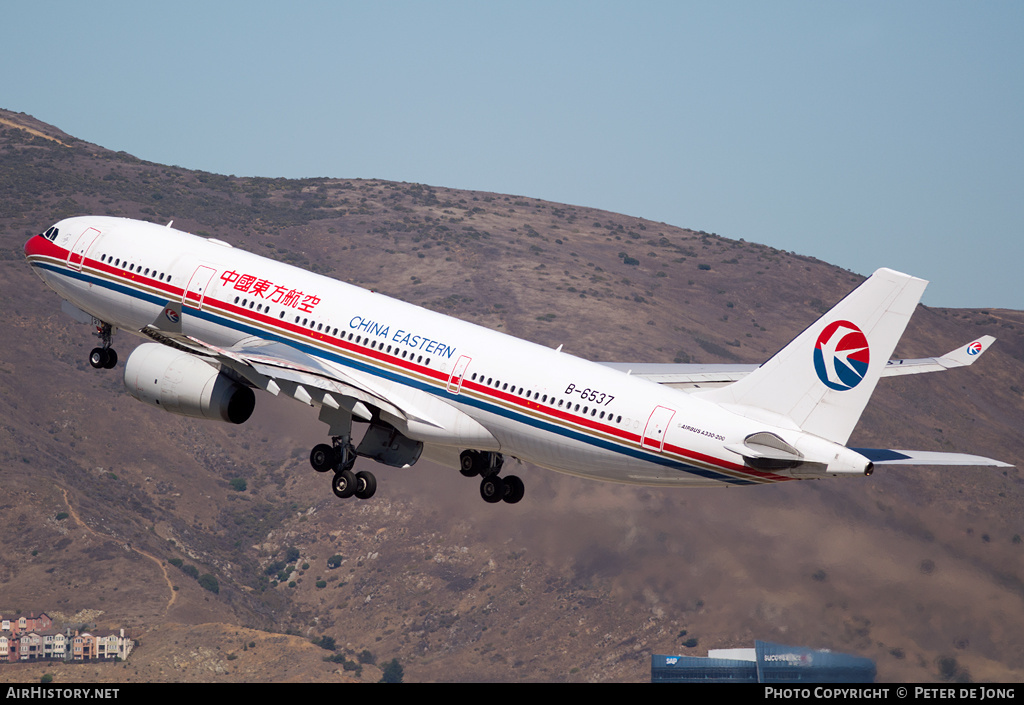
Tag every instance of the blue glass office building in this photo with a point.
(765, 663)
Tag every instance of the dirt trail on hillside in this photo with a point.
(159, 563)
(37, 133)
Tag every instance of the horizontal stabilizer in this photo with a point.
(884, 456)
(685, 375)
(961, 357)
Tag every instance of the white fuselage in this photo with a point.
(481, 389)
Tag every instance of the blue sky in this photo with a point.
(866, 134)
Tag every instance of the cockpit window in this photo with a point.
(51, 234)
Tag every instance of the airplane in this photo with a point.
(222, 323)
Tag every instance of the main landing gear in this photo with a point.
(104, 357)
(493, 488)
(341, 457)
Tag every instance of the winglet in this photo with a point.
(169, 319)
(968, 353)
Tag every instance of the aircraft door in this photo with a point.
(195, 292)
(458, 373)
(76, 255)
(657, 428)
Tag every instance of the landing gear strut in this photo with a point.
(340, 457)
(104, 357)
(493, 488)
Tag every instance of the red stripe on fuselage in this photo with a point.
(40, 246)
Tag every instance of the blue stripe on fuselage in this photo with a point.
(482, 404)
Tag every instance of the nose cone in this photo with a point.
(35, 245)
(40, 245)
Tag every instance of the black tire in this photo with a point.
(470, 463)
(344, 484)
(98, 358)
(322, 457)
(366, 484)
(514, 489)
(492, 489)
(111, 362)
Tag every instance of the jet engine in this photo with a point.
(185, 384)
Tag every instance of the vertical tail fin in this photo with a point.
(823, 379)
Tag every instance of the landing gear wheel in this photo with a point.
(492, 489)
(478, 462)
(98, 358)
(103, 358)
(322, 457)
(514, 489)
(344, 484)
(469, 463)
(366, 484)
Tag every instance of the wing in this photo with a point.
(685, 376)
(280, 368)
(689, 376)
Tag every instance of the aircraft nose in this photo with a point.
(29, 246)
(37, 244)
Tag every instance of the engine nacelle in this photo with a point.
(185, 384)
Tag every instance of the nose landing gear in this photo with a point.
(104, 357)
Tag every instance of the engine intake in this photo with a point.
(185, 384)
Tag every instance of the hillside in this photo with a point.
(919, 569)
